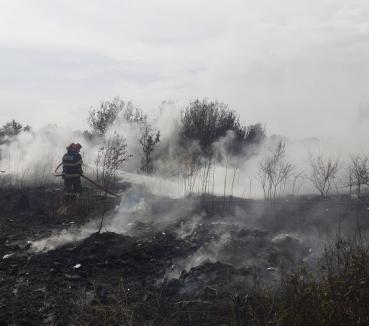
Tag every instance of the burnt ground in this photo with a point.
(158, 261)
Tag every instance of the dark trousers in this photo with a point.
(72, 187)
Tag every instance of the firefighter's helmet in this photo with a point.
(77, 147)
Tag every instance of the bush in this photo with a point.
(110, 158)
(148, 140)
(100, 120)
(335, 294)
(12, 129)
(206, 122)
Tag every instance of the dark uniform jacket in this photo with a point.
(72, 164)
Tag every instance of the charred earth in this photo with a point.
(161, 261)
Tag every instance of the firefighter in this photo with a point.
(72, 171)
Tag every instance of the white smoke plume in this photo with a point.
(32, 156)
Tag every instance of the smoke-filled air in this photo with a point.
(184, 163)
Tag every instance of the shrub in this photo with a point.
(148, 140)
(101, 119)
(110, 158)
(12, 129)
(205, 122)
(335, 294)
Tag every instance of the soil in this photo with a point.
(185, 269)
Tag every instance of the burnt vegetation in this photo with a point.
(209, 257)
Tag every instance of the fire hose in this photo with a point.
(55, 172)
(89, 180)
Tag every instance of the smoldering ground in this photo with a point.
(263, 237)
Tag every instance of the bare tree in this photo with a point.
(148, 140)
(275, 171)
(189, 170)
(132, 114)
(358, 172)
(323, 172)
(198, 173)
(111, 155)
(348, 178)
(298, 179)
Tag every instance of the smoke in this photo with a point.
(32, 157)
(258, 234)
(63, 237)
(138, 207)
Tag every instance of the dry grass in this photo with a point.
(335, 293)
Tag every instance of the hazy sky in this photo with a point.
(299, 66)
